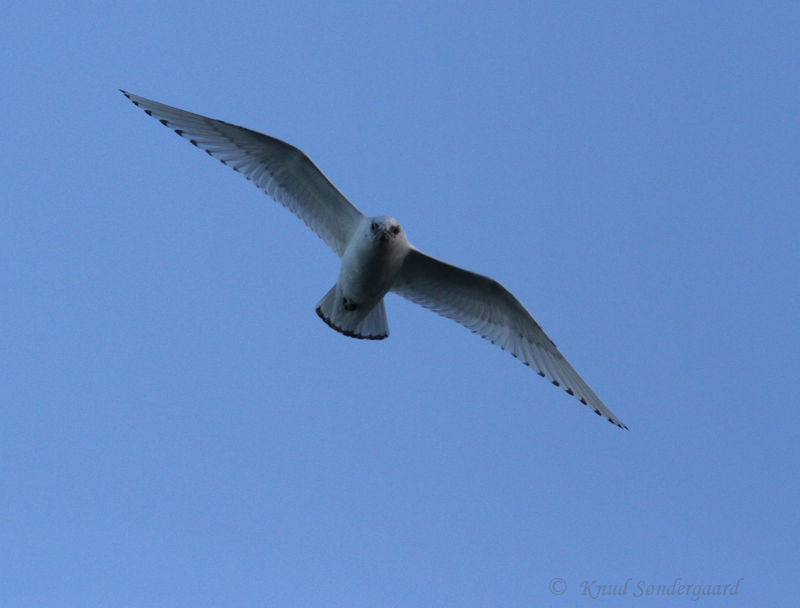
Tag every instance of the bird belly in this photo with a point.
(368, 272)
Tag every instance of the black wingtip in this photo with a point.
(619, 424)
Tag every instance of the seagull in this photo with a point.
(376, 256)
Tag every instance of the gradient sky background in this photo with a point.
(180, 429)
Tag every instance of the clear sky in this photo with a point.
(180, 429)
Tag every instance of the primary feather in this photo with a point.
(279, 169)
(487, 308)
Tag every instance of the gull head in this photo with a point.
(384, 229)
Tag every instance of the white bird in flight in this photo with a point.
(376, 255)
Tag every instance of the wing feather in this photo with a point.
(282, 171)
(487, 308)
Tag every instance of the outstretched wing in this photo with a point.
(487, 308)
(279, 169)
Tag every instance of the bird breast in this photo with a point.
(370, 267)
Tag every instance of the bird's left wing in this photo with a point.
(279, 169)
(487, 308)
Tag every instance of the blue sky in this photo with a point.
(180, 429)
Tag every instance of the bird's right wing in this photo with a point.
(279, 169)
(487, 308)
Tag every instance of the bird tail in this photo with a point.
(356, 323)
